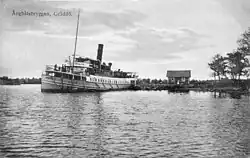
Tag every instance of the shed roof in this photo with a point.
(179, 73)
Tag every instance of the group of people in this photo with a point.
(63, 68)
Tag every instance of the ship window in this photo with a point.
(70, 77)
(65, 75)
(58, 74)
(77, 77)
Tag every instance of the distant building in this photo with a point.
(179, 76)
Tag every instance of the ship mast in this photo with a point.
(75, 41)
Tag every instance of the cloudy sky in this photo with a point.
(145, 36)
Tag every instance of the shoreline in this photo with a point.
(200, 89)
(164, 87)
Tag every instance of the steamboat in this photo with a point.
(80, 74)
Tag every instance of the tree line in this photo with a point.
(234, 64)
(6, 79)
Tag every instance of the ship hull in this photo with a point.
(62, 85)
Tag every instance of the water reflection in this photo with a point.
(230, 127)
(233, 95)
(75, 130)
(123, 124)
(178, 92)
(240, 114)
(99, 125)
(4, 113)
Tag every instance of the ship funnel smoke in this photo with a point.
(99, 52)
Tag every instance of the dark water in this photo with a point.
(122, 124)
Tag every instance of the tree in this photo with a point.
(244, 45)
(213, 74)
(147, 81)
(218, 65)
(237, 62)
(244, 42)
(154, 81)
(165, 81)
(160, 81)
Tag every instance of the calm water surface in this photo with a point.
(122, 124)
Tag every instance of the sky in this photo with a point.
(144, 36)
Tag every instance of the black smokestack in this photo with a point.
(99, 52)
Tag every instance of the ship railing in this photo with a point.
(56, 68)
(52, 72)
